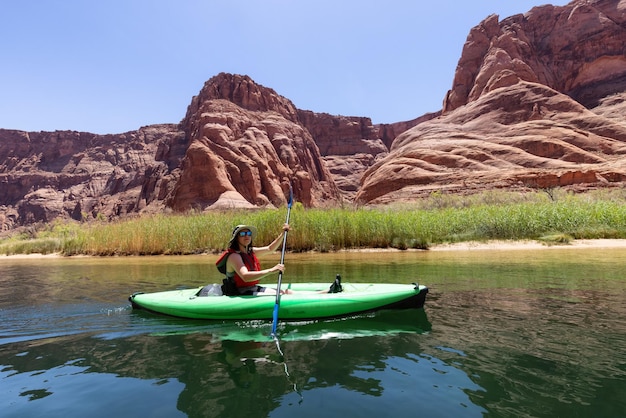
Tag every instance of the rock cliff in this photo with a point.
(240, 145)
(246, 146)
(46, 175)
(537, 101)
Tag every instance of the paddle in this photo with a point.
(282, 261)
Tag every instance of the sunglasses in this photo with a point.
(245, 233)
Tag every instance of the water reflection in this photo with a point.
(225, 377)
(561, 348)
(503, 334)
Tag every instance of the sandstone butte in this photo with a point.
(537, 101)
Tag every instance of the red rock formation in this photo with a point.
(246, 147)
(576, 49)
(348, 146)
(240, 145)
(45, 175)
(247, 143)
(537, 101)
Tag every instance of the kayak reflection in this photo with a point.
(381, 323)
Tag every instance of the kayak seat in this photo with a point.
(336, 286)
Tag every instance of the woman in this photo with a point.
(243, 269)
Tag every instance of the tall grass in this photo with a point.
(438, 219)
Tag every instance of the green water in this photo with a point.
(532, 333)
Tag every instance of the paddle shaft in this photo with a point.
(282, 261)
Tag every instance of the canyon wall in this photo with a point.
(537, 101)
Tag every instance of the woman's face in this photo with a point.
(244, 237)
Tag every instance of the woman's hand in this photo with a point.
(274, 245)
(278, 267)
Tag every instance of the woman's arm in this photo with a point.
(274, 245)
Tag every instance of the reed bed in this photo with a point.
(555, 217)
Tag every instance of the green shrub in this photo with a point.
(441, 218)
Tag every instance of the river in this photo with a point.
(504, 333)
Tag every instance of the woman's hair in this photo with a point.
(234, 245)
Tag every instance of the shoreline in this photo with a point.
(530, 245)
(459, 246)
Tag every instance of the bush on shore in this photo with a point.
(556, 217)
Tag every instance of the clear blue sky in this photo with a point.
(113, 66)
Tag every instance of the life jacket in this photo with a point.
(249, 260)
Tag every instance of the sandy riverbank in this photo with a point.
(529, 245)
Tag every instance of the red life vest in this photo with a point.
(249, 260)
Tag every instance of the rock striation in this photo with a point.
(240, 145)
(537, 101)
(68, 174)
(245, 148)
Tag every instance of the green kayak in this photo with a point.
(305, 303)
